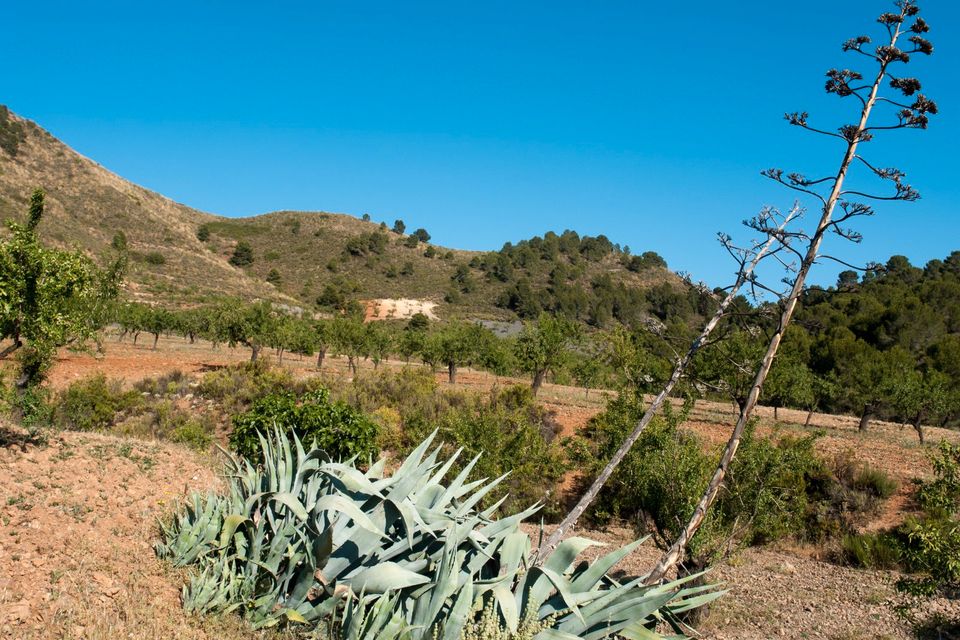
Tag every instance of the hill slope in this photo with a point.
(297, 257)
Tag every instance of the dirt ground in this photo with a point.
(78, 517)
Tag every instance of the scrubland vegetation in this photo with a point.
(385, 504)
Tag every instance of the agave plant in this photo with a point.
(303, 539)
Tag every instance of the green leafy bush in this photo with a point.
(776, 487)
(334, 427)
(93, 403)
(237, 387)
(506, 425)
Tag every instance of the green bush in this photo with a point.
(776, 487)
(335, 427)
(155, 258)
(172, 383)
(237, 387)
(506, 425)
(93, 403)
(942, 494)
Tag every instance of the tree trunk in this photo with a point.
(809, 418)
(452, 372)
(865, 419)
(775, 416)
(352, 364)
(538, 381)
(918, 426)
(156, 338)
(136, 334)
(321, 354)
(255, 352)
(280, 355)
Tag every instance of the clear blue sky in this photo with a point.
(483, 122)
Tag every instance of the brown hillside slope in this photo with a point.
(87, 205)
(304, 254)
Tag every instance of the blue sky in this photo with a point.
(483, 122)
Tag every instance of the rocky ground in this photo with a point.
(78, 516)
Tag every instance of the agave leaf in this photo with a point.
(230, 524)
(384, 577)
(596, 571)
(567, 552)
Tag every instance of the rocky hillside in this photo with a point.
(179, 254)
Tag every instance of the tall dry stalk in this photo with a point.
(914, 115)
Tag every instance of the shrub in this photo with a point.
(509, 438)
(776, 487)
(203, 233)
(163, 420)
(942, 494)
(93, 403)
(506, 425)
(242, 254)
(239, 386)
(336, 428)
(171, 383)
(871, 550)
(155, 258)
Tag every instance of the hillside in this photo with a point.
(87, 205)
(300, 257)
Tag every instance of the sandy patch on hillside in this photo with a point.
(398, 309)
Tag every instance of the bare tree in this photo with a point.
(844, 83)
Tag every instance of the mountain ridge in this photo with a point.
(298, 257)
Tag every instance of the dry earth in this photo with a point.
(78, 517)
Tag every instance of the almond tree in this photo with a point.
(49, 298)
(780, 240)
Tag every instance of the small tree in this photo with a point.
(274, 277)
(457, 344)
(379, 343)
(543, 347)
(157, 321)
(242, 254)
(920, 396)
(203, 233)
(49, 298)
(399, 227)
(323, 340)
(421, 235)
(350, 339)
(250, 325)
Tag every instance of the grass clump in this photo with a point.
(871, 550)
